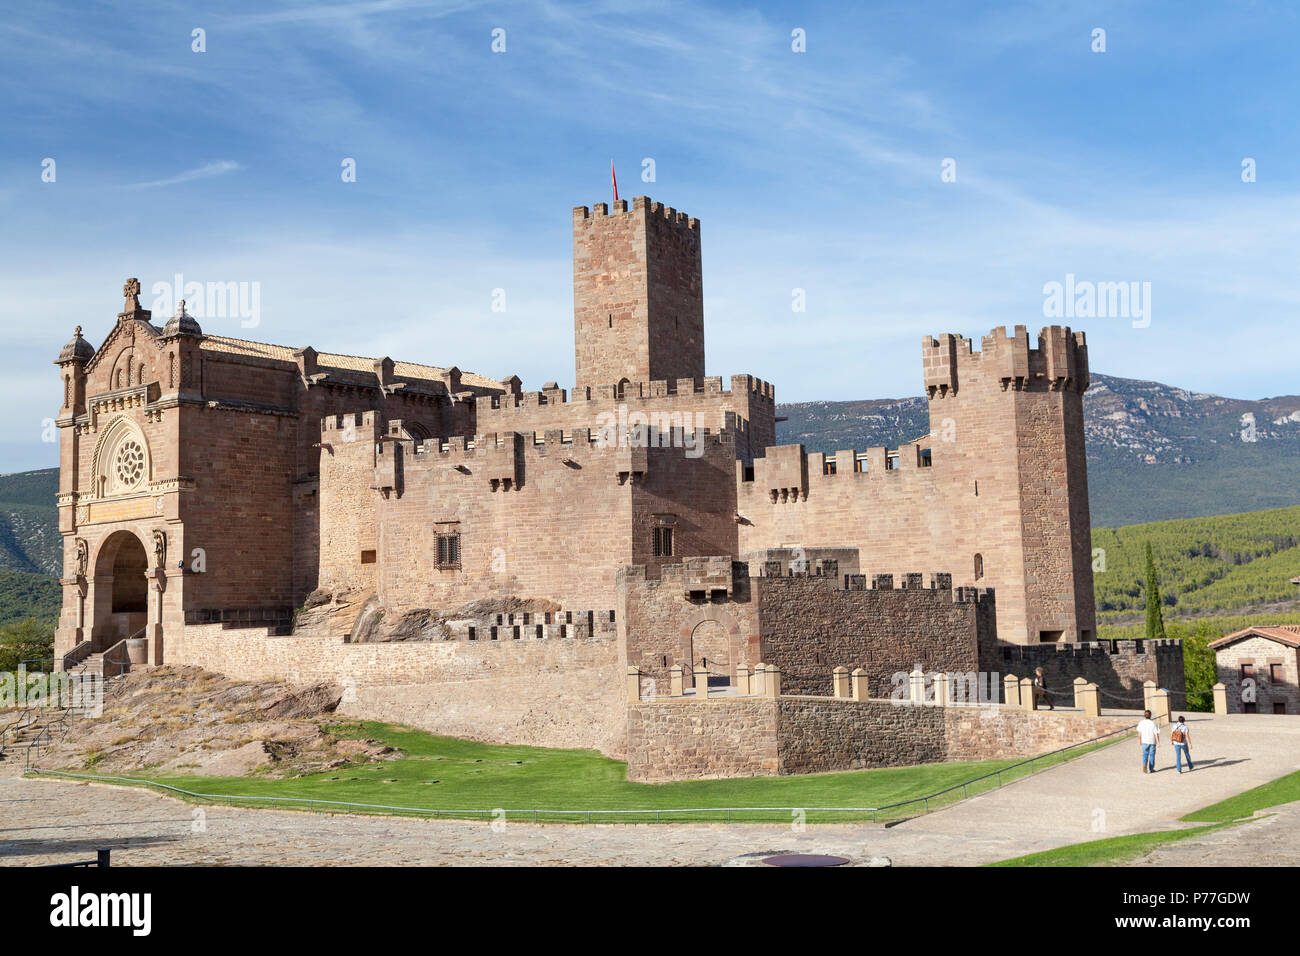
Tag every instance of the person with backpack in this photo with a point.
(1180, 739)
(1149, 737)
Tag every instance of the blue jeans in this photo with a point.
(1181, 751)
(1149, 755)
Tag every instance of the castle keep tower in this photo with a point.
(1006, 423)
(638, 302)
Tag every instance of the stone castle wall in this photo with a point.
(548, 516)
(810, 625)
(685, 738)
(1119, 669)
(548, 693)
(806, 624)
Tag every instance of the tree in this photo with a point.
(1199, 665)
(1155, 616)
(24, 641)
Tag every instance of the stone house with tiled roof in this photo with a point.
(1260, 669)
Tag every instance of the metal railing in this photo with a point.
(891, 811)
(101, 860)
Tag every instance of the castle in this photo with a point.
(213, 489)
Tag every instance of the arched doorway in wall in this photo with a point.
(121, 589)
(711, 648)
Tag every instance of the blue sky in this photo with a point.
(818, 170)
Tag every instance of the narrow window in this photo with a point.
(1247, 671)
(1275, 673)
(663, 542)
(979, 567)
(449, 550)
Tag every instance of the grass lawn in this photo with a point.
(449, 775)
(1274, 793)
(1219, 816)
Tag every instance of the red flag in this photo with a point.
(613, 179)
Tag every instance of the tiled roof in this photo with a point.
(1288, 634)
(351, 363)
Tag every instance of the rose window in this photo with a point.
(129, 464)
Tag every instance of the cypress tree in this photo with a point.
(1155, 614)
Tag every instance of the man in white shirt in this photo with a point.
(1149, 737)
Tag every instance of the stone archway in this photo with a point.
(121, 589)
(711, 648)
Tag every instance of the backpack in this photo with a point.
(1178, 736)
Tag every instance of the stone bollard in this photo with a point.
(861, 690)
(742, 680)
(1011, 690)
(675, 681)
(1220, 698)
(840, 682)
(1160, 706)
(760, 680)
(1079, 684)
(916, 687)
(772, 687)
(701, 682)
(1027, 701)
(633, 683)
(1088, 699)
(1148, 688)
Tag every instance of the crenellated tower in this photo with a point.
(638, 302)
(1006, 430)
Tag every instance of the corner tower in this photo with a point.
(1007, 429)
(638, 302)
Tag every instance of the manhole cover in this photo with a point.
(805, 859)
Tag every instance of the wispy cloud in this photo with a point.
(817, 171)
(219, 168)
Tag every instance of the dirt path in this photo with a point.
(47, 822)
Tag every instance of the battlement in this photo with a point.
(536, 626)
(353, 425)
(1037, 654)
(642, 207)
(1059, 363)
(814, 561)
(555, 439)
(786, 472)
(756, 388)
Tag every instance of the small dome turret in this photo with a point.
(182, 323)
(77, 350)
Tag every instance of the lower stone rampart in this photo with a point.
(547, 693)
(686, 738)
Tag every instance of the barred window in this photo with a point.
(449, 550)
(663, 542)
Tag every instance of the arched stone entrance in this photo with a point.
(121, 589)
(711, 648)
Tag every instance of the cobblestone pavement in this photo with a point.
(1103, 794)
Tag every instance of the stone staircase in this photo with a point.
(35, 730)
(25, 737)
